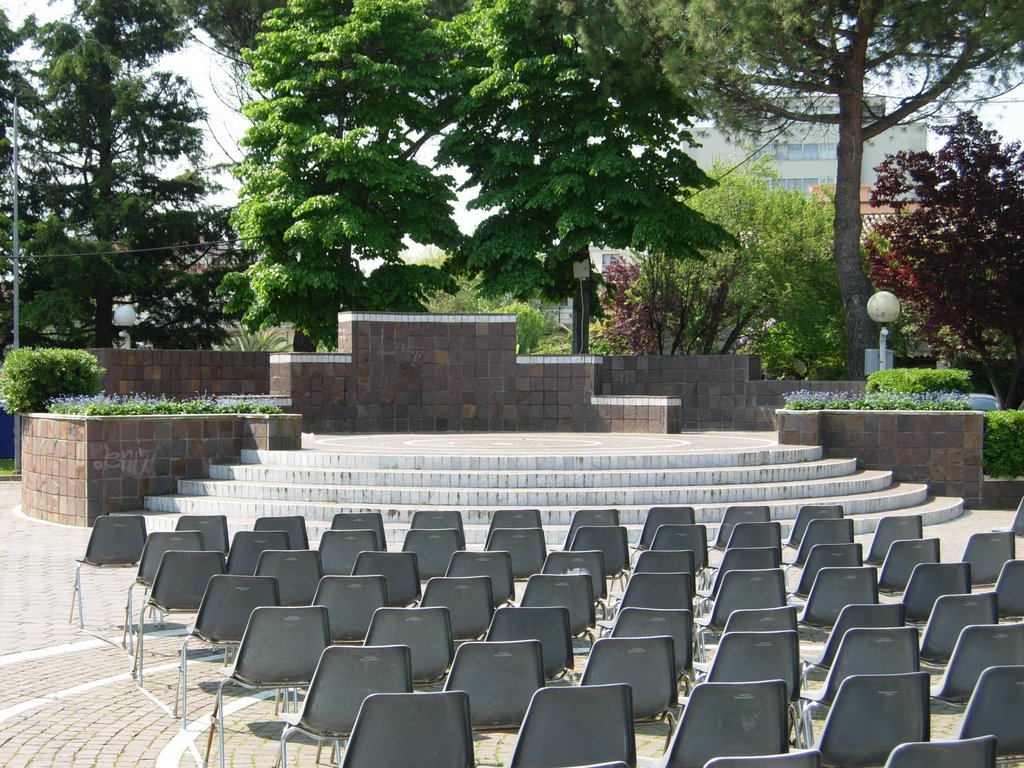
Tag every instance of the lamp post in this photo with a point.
(124, 317)
(883, 307)
(581, 313)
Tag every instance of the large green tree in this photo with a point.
(861, 66)
(332, 180)
(114, 189)
(564, 157)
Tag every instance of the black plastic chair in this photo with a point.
(426, 631)
(729, 720)
(902, 557)
(928, 582)
(412, 729)
(437, 519)
(741, 590)
(735, 515)
(1009, 589)
(590, 562)
(293, 525)
(995, 709)
(665, 561)
(889, 529)
(468, 600)
(297, 572)
(221, 619)
(781, 619)
(658, 590)
(115, 541)
(343, 679)
(805, 515)
(949, 616)
(978, 647)
(576, 726)
(351, 602)
(738, 559)
(526, 546)
(691, 537)
(804, 758)
(611, 540)
(497, 566)
(868, 616)
(752, 535)
(822, 531)
(280, 649)
(247, 546)
(826, 556)
(659, 516)
(655, 622)
(986, 552)
(514, 518)
(648, 666)
(589, 517)
(500, 678)
(400, 569)
(836, 588)
(339, 549)
(872, 715)
(213, 527)
(979, 752)
(358, 521)
(549, 626)
(433, 548)
(573, 592)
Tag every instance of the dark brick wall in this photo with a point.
(180, 374)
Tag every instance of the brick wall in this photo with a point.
(180, 374)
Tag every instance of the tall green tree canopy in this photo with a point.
(331, 182)
(113, 176)
(862, 66)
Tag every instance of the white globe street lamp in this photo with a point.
(883, 307)
(124, 317)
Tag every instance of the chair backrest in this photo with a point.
(159, 542)
(433, 548)
(865, 616)
(412, 729)
(514, 518)
(766, 534)
(426, 631)
(1017, 525)
(1009, 589)
(731, 720)
(589, 517)
(526, 546)
(950, 614)
(781, 619)
(576, 726)
(345, 676)
(497, 566)
(281, 646)
(647, 664)
(691, 537)
(468, 600)
(655, 622)
(986, 551)
(827, 556)
(500, 678)
(297, 572)
(747, 657)
(995, 709)
(658, 516)
(659, 590)
(213, 527)
(735, 515)
(824, 531)
(116, 540)
(590, 562)
(339, 549)
(611, 540)
(439, 518)
(293, 525)
(182, 578)
(550, 626)
(979, 647)
(836, 588)
(357, 521)
(227, 604)
(930, 580)
(804, 758)
(871, 650)
(743, 559)
(246, 547)
(873, 714)
(761, 588)
(400, 569)
(806, 514)
(893, 528)
(574, 592)
(665, 561)
(350, 603)
(979, 752)
(901, 559)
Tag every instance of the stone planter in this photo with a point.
(75, 468)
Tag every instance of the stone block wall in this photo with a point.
(181, 374)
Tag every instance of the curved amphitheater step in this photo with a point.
(556, 473)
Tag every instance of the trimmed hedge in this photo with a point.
(805, 400)
(1004, 444)
(31, 378)
(146, 405)
(911, 380)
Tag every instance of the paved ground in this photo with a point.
(68, 698)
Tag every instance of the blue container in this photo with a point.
(6, 435)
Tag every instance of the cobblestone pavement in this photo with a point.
(69, 699)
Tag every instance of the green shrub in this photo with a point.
(910, 380)
(530, 325)
(804, 400)
(33, 377)
(1004, 443)
(147, 405)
